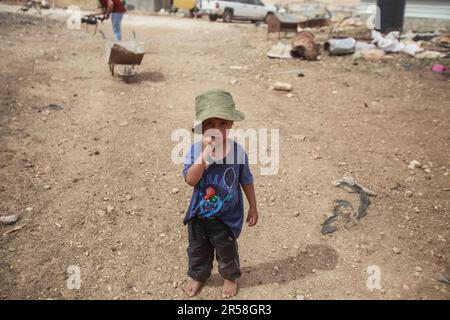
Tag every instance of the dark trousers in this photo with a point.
(205, 236)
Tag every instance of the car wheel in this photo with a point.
(212, 17)
(268, 17)
(227, 16)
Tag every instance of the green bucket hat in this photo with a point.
(216, 103)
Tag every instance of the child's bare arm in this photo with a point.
(252, 216)
(195, 172)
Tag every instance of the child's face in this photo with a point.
(221, 125)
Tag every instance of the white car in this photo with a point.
(229, 10)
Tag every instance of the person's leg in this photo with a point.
(116, 21)
(223, 240)
(201, 256)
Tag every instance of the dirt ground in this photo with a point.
(93, 182)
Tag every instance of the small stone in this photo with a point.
(396, 250)
(47, 187)
(235, 82)
(122, 93)
(408, 193)
(28, 209)
(418, 269)
(175, 190)
(300, 297)
(282, 86)
(405, 287)
(110, 209)
(123, 123)
(296, 214)
(414, 164)
(128, 197)
(9, 219)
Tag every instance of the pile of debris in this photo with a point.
(391, 43)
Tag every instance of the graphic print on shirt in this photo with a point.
(216, 193)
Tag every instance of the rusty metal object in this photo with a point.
(281, 23)
(305, 47)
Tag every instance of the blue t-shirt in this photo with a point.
(218, 193)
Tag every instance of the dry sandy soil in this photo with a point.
(93, 182)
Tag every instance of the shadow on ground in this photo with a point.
(147, 76)
(318, 257)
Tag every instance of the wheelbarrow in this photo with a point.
(126, 53)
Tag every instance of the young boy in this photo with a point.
(217, 168)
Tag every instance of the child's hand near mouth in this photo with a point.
(208, 146)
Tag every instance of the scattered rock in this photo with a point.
(47, 187)
(414, 164)
(235, 82)
(124, 124)
(9, 219)
(300, 297)
(175, 190)
(418, 269)
(282, 86)
(396, 250)
(408, 193)
(110, 209)
(299, 137)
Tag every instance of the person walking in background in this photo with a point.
(114, 9)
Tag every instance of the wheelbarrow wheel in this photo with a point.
(111, 68)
